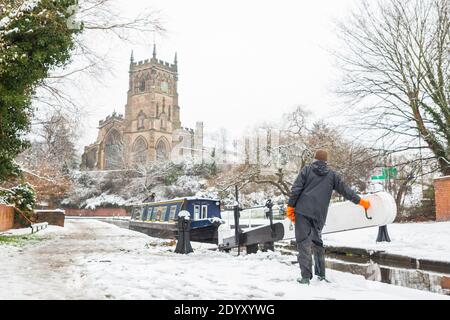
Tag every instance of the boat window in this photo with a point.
(142, 214)
(160, 213)
(204, 212)
(196, 212)
(137, 215)
(151, 213)
(134, 213)
(145, 214)
(173, 211)
(166, 213)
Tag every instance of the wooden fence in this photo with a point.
(6, 217)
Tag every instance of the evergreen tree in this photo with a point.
(35, 36)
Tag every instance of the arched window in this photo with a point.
(139, 151)
(142, 86)
(141, 119)
(163, 124)
(90, 158)
(113, 150)
(162, 151)
(137, 84)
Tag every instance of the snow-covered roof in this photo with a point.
(178, 199)
(197, 198)
(50, 210)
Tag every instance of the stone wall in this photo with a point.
(99, 212)
(6, 217)
(53, 217)
(442, 196)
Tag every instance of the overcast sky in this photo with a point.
(240, 62)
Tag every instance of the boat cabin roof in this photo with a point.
(176, 200)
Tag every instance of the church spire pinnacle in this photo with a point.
(154, 50)
(175, 60)
(132, 57)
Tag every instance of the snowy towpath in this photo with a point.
(94, 260)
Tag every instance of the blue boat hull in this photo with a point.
(201, 231)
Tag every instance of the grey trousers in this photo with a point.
(308, 238)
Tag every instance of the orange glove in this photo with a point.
(290, 213)
(365, 203)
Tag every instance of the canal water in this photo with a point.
(432, 281)
(434, 278)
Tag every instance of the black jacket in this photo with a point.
(311, 192)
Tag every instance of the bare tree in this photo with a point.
(47, 163)
(101, 20)
(53, 143)
(397, 71)
(298, 142)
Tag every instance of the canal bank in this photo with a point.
(380, 266)
(89, 259)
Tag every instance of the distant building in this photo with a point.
(151, 128)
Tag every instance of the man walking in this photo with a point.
(308, 209)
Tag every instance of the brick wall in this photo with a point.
(99, 212)
(53, 217)
(442, 195)
(6, 217)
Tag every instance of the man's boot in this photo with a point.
(324, 279)
(303, 281)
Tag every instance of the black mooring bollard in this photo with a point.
(184, 236)
(383, 235)
(268, 246)
(252, 248)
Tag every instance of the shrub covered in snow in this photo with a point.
(22, 196)
(185, 186)
(104, 200)
(93, 189)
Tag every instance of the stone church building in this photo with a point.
(151, 128)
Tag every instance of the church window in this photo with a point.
(142, 86)
(139, 151)
(141, 119)
(113, 150)
(91, 158)
(162, 152)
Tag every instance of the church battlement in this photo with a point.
(113, 116)
(173, 67)
(190, 130)
(160, 63)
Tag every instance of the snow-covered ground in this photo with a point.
(90, 259)
(417, 240)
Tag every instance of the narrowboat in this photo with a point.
(159, 219)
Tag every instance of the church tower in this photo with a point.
(152, 113)
(151, 129)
